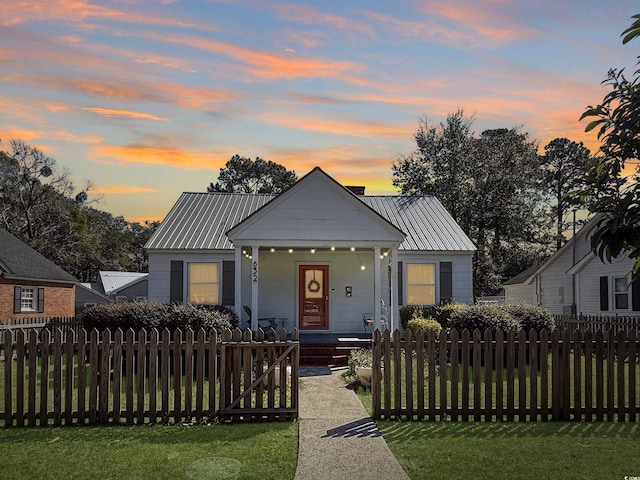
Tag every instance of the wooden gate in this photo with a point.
(259, 376)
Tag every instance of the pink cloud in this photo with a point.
(121, 189)
(355, 128)
(109, 112)
(141, 154)
(273, 66)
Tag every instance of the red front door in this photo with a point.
(313, 297)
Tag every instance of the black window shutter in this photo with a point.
(17, 297)
(604, 294)
(446, 280)
(400, 284)
(176, 282)
(635, 295)
(41, 300)
(228, 283)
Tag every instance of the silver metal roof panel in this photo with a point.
(200, 221)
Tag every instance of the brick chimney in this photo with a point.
(356, 190)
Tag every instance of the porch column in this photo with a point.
(255, 255)
(377, 284)
(237, 279)
(393, 308)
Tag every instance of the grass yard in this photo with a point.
(251, 451)
(554, 450)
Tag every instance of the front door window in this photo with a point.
(314, 297)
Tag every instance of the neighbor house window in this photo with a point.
(27, 300)
(421, 284)
(203, 283)
(121, 298)
(621, 293)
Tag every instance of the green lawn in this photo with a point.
(554, 450)
(254, 451)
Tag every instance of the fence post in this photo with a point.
(376, 379)
(8, 387)
(556, 377)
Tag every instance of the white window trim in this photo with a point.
(614, 294)
(187, 280)
(33, 299)
(436, 284)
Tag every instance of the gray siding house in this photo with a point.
(575, 280)
(316, 257)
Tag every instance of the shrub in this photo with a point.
(361, 357)
(408, 312)
(442, 313)
(483, 317)
(531, 317)
(424, 324)
(158, 315)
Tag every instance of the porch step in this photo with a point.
(331, 355)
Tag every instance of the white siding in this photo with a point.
(278, 281)
(555, 286)
(160, 269)
(589, 281)
(521, 293)
(319, 212)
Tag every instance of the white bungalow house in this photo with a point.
(575, 280)
(317, 257)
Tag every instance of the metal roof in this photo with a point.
(114, 281)
(200, 221)
(428, 225)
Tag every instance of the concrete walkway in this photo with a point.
(337, 438)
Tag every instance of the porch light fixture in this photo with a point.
(363, 268)
(291, 250)
(272, 250)
(353, 249)
(313, 250)
(333, 249)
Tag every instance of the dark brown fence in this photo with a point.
(62, 378)
(61, 322)
(485, 376)
(596, 323)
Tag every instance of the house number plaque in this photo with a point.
(254, 271)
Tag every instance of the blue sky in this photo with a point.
(149, 98)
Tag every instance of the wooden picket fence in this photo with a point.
(100, 377)
(596, 323)
(485, 376)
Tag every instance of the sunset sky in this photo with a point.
(150, 98)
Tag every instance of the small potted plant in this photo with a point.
(361, 363)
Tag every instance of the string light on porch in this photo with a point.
(313, 250)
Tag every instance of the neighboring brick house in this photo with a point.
(30, 284)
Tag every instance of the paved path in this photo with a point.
(337, 438)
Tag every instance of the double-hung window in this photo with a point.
(203, 283)
(621, 293)
(421, 284)
(27, 299)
